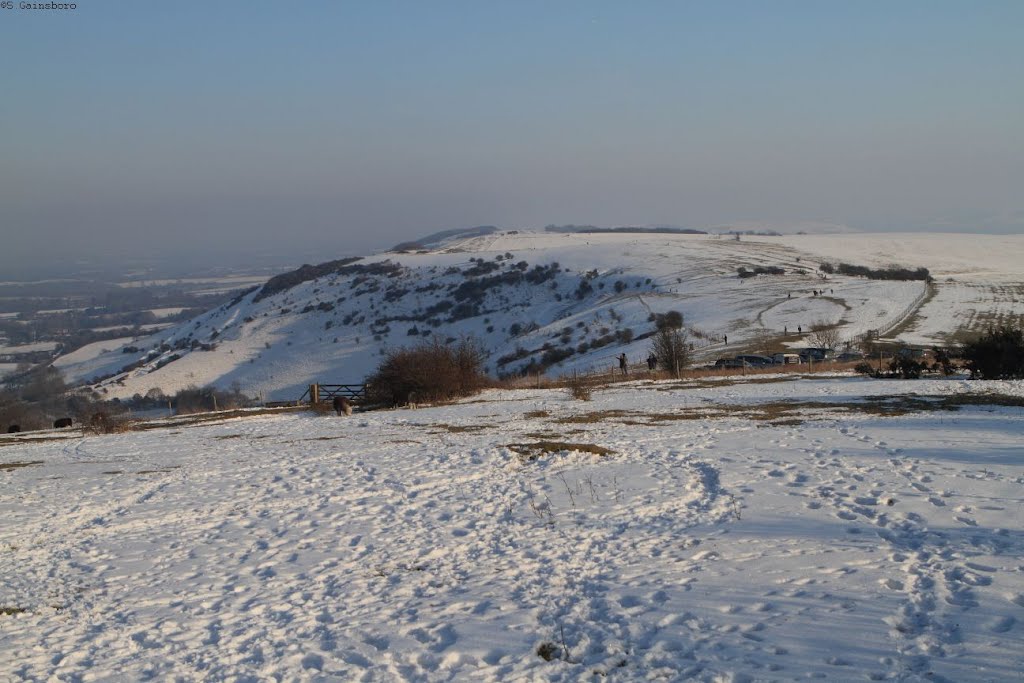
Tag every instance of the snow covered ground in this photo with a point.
(776, 529)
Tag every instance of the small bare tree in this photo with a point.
(824, 335)
(670, 348)
(763, 340)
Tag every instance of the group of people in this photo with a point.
(652, 363)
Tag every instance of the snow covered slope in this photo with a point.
(567, 301)
(828, 528)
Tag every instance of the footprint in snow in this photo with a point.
(1001, 624)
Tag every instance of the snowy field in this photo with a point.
(780, 529)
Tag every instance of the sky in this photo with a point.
(327, 128)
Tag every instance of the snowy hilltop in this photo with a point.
(775, 529)
(556, 302)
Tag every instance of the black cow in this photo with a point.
(62, 423)
(13, 429)
(342, 405)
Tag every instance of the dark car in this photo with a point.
(814, 354)
(755, 360)
(732, 363)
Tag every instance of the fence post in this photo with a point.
(314, 394)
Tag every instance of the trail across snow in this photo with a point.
(832, 541)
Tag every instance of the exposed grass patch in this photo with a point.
(596, 416)
(532, 451)
(113, 472)
(228, 436)
(8, 611)
(537, 413)
(29, 438)
(11, 466)
(459, 429)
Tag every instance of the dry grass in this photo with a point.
(29, 437)
(460, 429)
(536, 413)
(532, 451)
(322, 408)
(596, 416)
(11, 466)
(8, 611)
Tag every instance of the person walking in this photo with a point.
(652, 362)
(623, 364)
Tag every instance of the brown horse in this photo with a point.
(342, 405)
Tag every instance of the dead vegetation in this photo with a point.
(531, 451)
(459, 429)
(11, 466)
(596, 416)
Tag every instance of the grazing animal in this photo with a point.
(342, 405)
(13, 429)
(62, 423)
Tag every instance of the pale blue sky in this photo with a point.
(136, 126)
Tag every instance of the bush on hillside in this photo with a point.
(997, 354)
(194, 399)
(671, 320)
(431, 371)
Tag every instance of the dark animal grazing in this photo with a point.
(13, 429)
(62, 423)
(342, 405)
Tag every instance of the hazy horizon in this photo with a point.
(225, 131)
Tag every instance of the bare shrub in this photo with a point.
(824, 335)
(104, 423)
(578, 388)
(864, 368)
(431, 371)
(194, 399)
(670, 348)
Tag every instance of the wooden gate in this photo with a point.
(325, 393)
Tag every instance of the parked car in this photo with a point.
(849, 356)
(786, 359)
(731, 363)
(755, 360)
(814, 354)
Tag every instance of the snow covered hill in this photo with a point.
(567, 301)
(829, 528)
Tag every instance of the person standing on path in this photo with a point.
(623, 364)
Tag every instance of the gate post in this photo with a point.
(314, 394)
